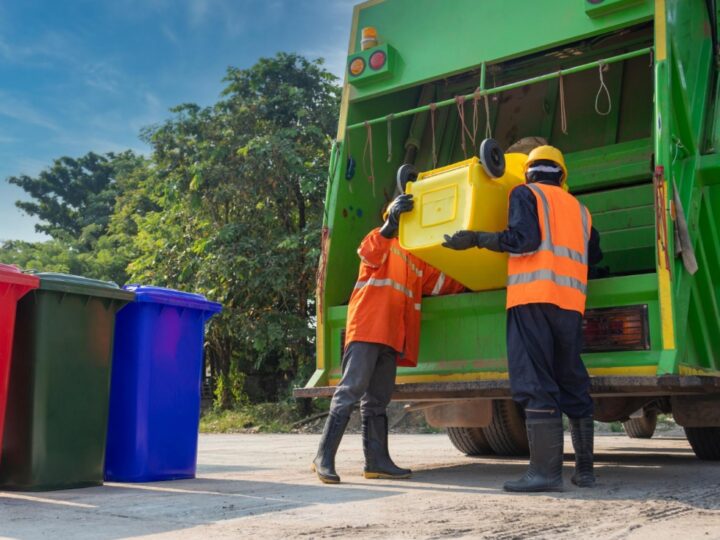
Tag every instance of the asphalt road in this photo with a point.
(260, 486)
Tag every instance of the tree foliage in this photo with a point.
(229, 204)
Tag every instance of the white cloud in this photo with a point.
(18, 109)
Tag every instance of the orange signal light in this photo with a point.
(357, 66)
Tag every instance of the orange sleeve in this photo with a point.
(374, 249)
(436, 283)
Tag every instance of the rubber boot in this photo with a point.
(324, 462)
(378, 463)
(582, 431)
(545, 436)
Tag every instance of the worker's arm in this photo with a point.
(521, 236)
(374, 249)
(436, 283)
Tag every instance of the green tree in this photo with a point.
(239, 190)
(75, 197)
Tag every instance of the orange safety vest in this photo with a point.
(385, 305)
(555, 273)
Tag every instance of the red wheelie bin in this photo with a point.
(13, 286)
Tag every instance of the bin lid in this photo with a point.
(68, 283)
(171, 297)
(13, 275)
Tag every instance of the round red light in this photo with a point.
(377, 59)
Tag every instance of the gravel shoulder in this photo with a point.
(260, 486)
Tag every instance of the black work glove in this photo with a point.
(402, 203)
(468, 239)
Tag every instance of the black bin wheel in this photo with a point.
(705, 442)
(492, 158)
(469, 440)
(642, 427)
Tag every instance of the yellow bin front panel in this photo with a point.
(461, 197)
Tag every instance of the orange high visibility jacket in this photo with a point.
(385, 304)
(556, 272)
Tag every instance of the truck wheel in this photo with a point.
(705, 442)
(506, 434)
(641, 428)
(469, 440)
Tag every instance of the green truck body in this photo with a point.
(628, 90)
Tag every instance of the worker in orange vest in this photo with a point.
(551, 243)
(382, 332)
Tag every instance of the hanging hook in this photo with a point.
(476, 97)
(460, 103)
(488, 129)
(433, 106)
(366, 150)
(603, 67)
(563, 113)
(389, 136)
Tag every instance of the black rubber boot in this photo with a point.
(582, 431)
(546, 456)
(375, 444)
(324, 462)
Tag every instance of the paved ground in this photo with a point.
(259, 486)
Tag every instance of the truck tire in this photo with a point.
(641, 428)
(705, 442)
(506, 434)
(470, 441)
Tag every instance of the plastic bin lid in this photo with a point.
(67, 283)
(13, 275)
(171, 297)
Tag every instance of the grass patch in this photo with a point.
(254, 418)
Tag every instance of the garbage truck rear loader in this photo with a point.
(628, 90)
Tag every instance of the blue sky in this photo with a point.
(81, 75)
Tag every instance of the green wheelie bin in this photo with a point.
(57, 412)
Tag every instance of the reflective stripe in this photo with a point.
(387, 282)
(371, 265)
(586, 231)
(549, 275)
(418, 306)
(546, 243)
(560, 251)
(407, 261)
(438, 284)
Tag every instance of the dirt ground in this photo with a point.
(260, 486)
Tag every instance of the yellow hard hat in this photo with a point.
(551, 154)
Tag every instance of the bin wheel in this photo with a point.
(506, 434)
(492, 158)
(470, 441)
(705, 442)
(641, 428)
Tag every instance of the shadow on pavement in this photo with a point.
(117, 511)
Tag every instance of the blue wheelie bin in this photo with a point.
(155, 387)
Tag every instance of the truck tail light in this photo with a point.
(377, 60)
(616, 329)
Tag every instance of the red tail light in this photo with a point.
(616, 329)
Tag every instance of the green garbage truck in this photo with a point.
(628, 90)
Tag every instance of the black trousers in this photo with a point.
(547, 376)
(368, 377)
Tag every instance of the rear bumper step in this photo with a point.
(500, 388)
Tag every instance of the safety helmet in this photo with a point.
(549, 153)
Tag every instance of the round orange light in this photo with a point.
(357, 66)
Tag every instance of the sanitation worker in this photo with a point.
(382, 332)
(551, 243)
